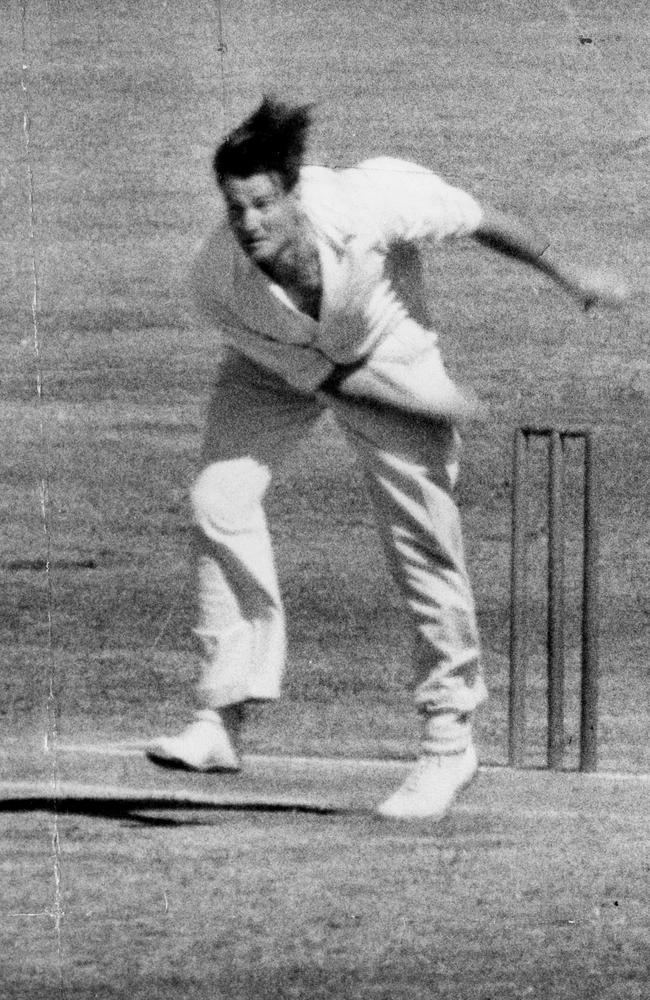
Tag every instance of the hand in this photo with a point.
(601, 288)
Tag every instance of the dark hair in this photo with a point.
(272, 139)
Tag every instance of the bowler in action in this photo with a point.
(314, 281)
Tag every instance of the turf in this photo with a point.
(545, 901)
(110, 115)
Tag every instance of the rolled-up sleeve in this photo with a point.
(410, 203)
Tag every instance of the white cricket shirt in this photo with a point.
(380, 210)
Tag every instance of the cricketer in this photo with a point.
(314, 280)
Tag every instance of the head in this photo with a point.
(257, 168)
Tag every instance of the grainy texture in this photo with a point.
(124, 106)
(532, 887)
(109, 116)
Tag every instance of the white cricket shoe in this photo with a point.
(431, 786)
(206, 745)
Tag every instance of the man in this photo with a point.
(315, 283)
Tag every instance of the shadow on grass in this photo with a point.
(138, 808)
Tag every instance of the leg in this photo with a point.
(241, 620)
(411, 465)
(254, 422)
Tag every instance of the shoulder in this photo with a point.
(391, 171)
(317, 183)
(330, 202)
(320, 183)
(390, 180)
(391, 165)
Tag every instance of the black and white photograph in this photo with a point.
(324, 499)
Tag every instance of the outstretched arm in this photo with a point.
(508, 236)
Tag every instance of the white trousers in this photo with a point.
(411, 463)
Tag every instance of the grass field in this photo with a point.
(110, 113)
(287, 905)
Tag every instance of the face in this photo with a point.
(263, 216)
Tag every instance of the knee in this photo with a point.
(228, 495)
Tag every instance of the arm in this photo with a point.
(508, 236)
(405, 203)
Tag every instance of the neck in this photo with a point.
(297, 264)
(297, 270)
